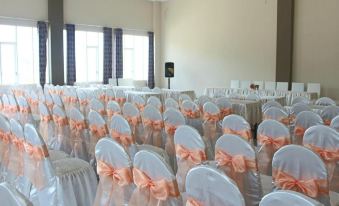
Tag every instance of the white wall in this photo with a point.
(316, 44)
(214, 41)
(28, 9)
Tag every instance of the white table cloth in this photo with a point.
(250, 110)
(175, 94)
(145, 95)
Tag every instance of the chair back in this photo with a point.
(62, 131)
(211, 126)
(237, 158)
(213, 190)
(325, 101)
(113, 108)
(5, 144)
(10, 196)
(287, 198)
(303, 121)
(271, 136)
(97, 106)
(329, 113)
(155, 102)
(16, 157)
(235, 124)
(298, 87)
(277, 114)
(335, 123)
(153, 126)
(57, 100)
(314, 87)
(298, 108)
(300, 99)
(225, 107)
(235, 84)
(270, 85)
(120, 97)
(139, 102)
(171, 103)
(25, 115)
(270, 104)
(184, 97)
(299, 169)
(282, 86)
(253, 97)
(202, 100)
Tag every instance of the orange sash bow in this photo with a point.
(60, 121)
(77, 126)
(242, 133)
(196, 156)
(50, 105)
(122, 176)
(211, 117)
(25, 110)
(33, 102)
(12, 108)
(276, 143)
(311, 187)
(124, 139)
(156, 125)
(134, 121)
(189, 113)
(237, 163)
(299, 131)
(83, 102)
(5, 137)
(141, 107)
(102, 97)
(193, 202)
(70, 100)
(225, 112)
(159, 189)
(285, 121)
(45, 118)
(120, 100)
(327, 155)
(109, 98)
(19, 145)
(170, 129)
(98, 131)
(111, 113)
(102, 112)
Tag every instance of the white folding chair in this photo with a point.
(277, 114)
(155, 102)
(298, 87)
(282, 86)
(329, 113)
(287, 198)
(245, 84)
(325, 101)
(303, 121)
(153, 126)
(235, 124)
(191, 112)
(133, 117)
(314, 88)
(171, 103)
(235, 84)
(270, 85)
(300, 99)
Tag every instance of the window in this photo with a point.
(135, 57)
(89, 56)
(19, 54)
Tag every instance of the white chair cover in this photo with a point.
(172, 120)
(237, 159)
(271, 136)
(62, 132)
(157, 150)
(70, 99)
(155, 102)
(325, 101)
(235, 124)
(329, 113)
(25, 115)
(5, 136)
(303, 121)
(58, 182)
(184, 97)
(83, 102)
(190, 151)
(133, 117)
(120, 97)
(79, 135)
(151, 169)
(33, 101)
(156, 90)
(253, 97)
(297, 108)
(97, 106)
(13, 107)
(57, 100)
(225, 107)
(112, 109)
(110, 96)
(46, 126)
(114, 168)
(270, 104)
(277, 114)
(121, 132)
(300, 100)
(325, 142)
(153, 126)
(6, 105)
(299, 169)
(171, 103)
(49, 102)
(191, 112)
(335, 123)
(11, 197)
(211, 126)
(214, 189)
(288, 198)
(201, 101)
(139, 102)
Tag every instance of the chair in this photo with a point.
(245, 84)
(190, 152)
(270, 104)
(25, 115)
(121, 133)
(156, 103)
(270, 85)
(133, 117)
(271, 136)
(201, 101)
(297, 109)
(5, 136)
(110, 96)
(70, 99)
(184, 97)
(153, 126)
(61, 140)
(259, 83)
(79, 138)
(303, 121)
(298, 87)
(156, 90)
(49, 102)
(120, 97)
(329, 113)
(211, 126)
(152, 174)
(101, 95)
(11, 197)
(324, 141)
(225, 107)
(13, 109)
(57, 100)
(314, 88)
(191, 112)
(33, 101)
(325, 101)
(287, 198)
(235, 124)
(335, 123)
(253, 97)
(112, 109)
(300, 99)
(98, 129)
(172, 120)
(46, 126)
(213, 190)
(98, 106)
(235, 84)
(299, 169)
(114, 168)
(171, 103)
(139, 102)
(282, 86)
(58, 182)
(237, 159)
(83, 102)
(277, 114)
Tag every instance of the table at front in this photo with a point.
(250, 110)
(145, 95)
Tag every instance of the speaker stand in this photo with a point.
(169, 83)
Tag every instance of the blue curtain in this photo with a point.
(107, 54)
(42, 29)
(119, 68)
(151, 60)
(71, 70)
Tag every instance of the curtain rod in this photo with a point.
(21, 19)
(97, 26)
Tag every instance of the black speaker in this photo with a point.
(169, 69)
